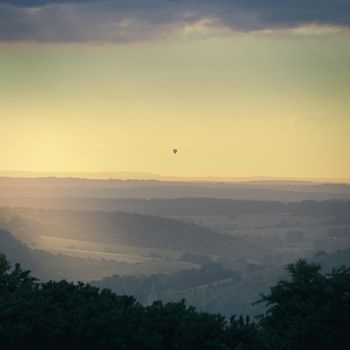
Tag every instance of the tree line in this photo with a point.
(308, 311)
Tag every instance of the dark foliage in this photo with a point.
(62, 315)
(309, 311)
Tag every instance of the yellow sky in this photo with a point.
(243, 105)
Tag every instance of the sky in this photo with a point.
(240, 88)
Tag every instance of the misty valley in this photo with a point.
(138, 264)
(218, 254)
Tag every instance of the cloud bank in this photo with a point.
(137, 20)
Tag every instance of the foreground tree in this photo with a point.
(62, 315)
(311, 311)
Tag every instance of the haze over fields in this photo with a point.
(206, 242)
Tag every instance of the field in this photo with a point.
(94, 250)
(91, 260)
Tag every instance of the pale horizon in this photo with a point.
(140, 175)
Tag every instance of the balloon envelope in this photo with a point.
(174, 150)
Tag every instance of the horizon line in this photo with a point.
(145, 176)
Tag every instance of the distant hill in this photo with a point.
(17, 251)
(127, 229)
(147, 289)
(11, 188)
(48, 266)
(211, 288)
(139, 175)
(184, 206)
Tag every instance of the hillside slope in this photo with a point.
(127, 229)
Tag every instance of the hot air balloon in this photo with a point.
(174, 150)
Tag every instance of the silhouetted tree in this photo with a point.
(309, 311)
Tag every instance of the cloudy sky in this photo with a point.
(240, 87)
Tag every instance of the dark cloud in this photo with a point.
(296, 12)
(35, 3)
(130, 20)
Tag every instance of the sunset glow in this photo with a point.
(271, 101)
